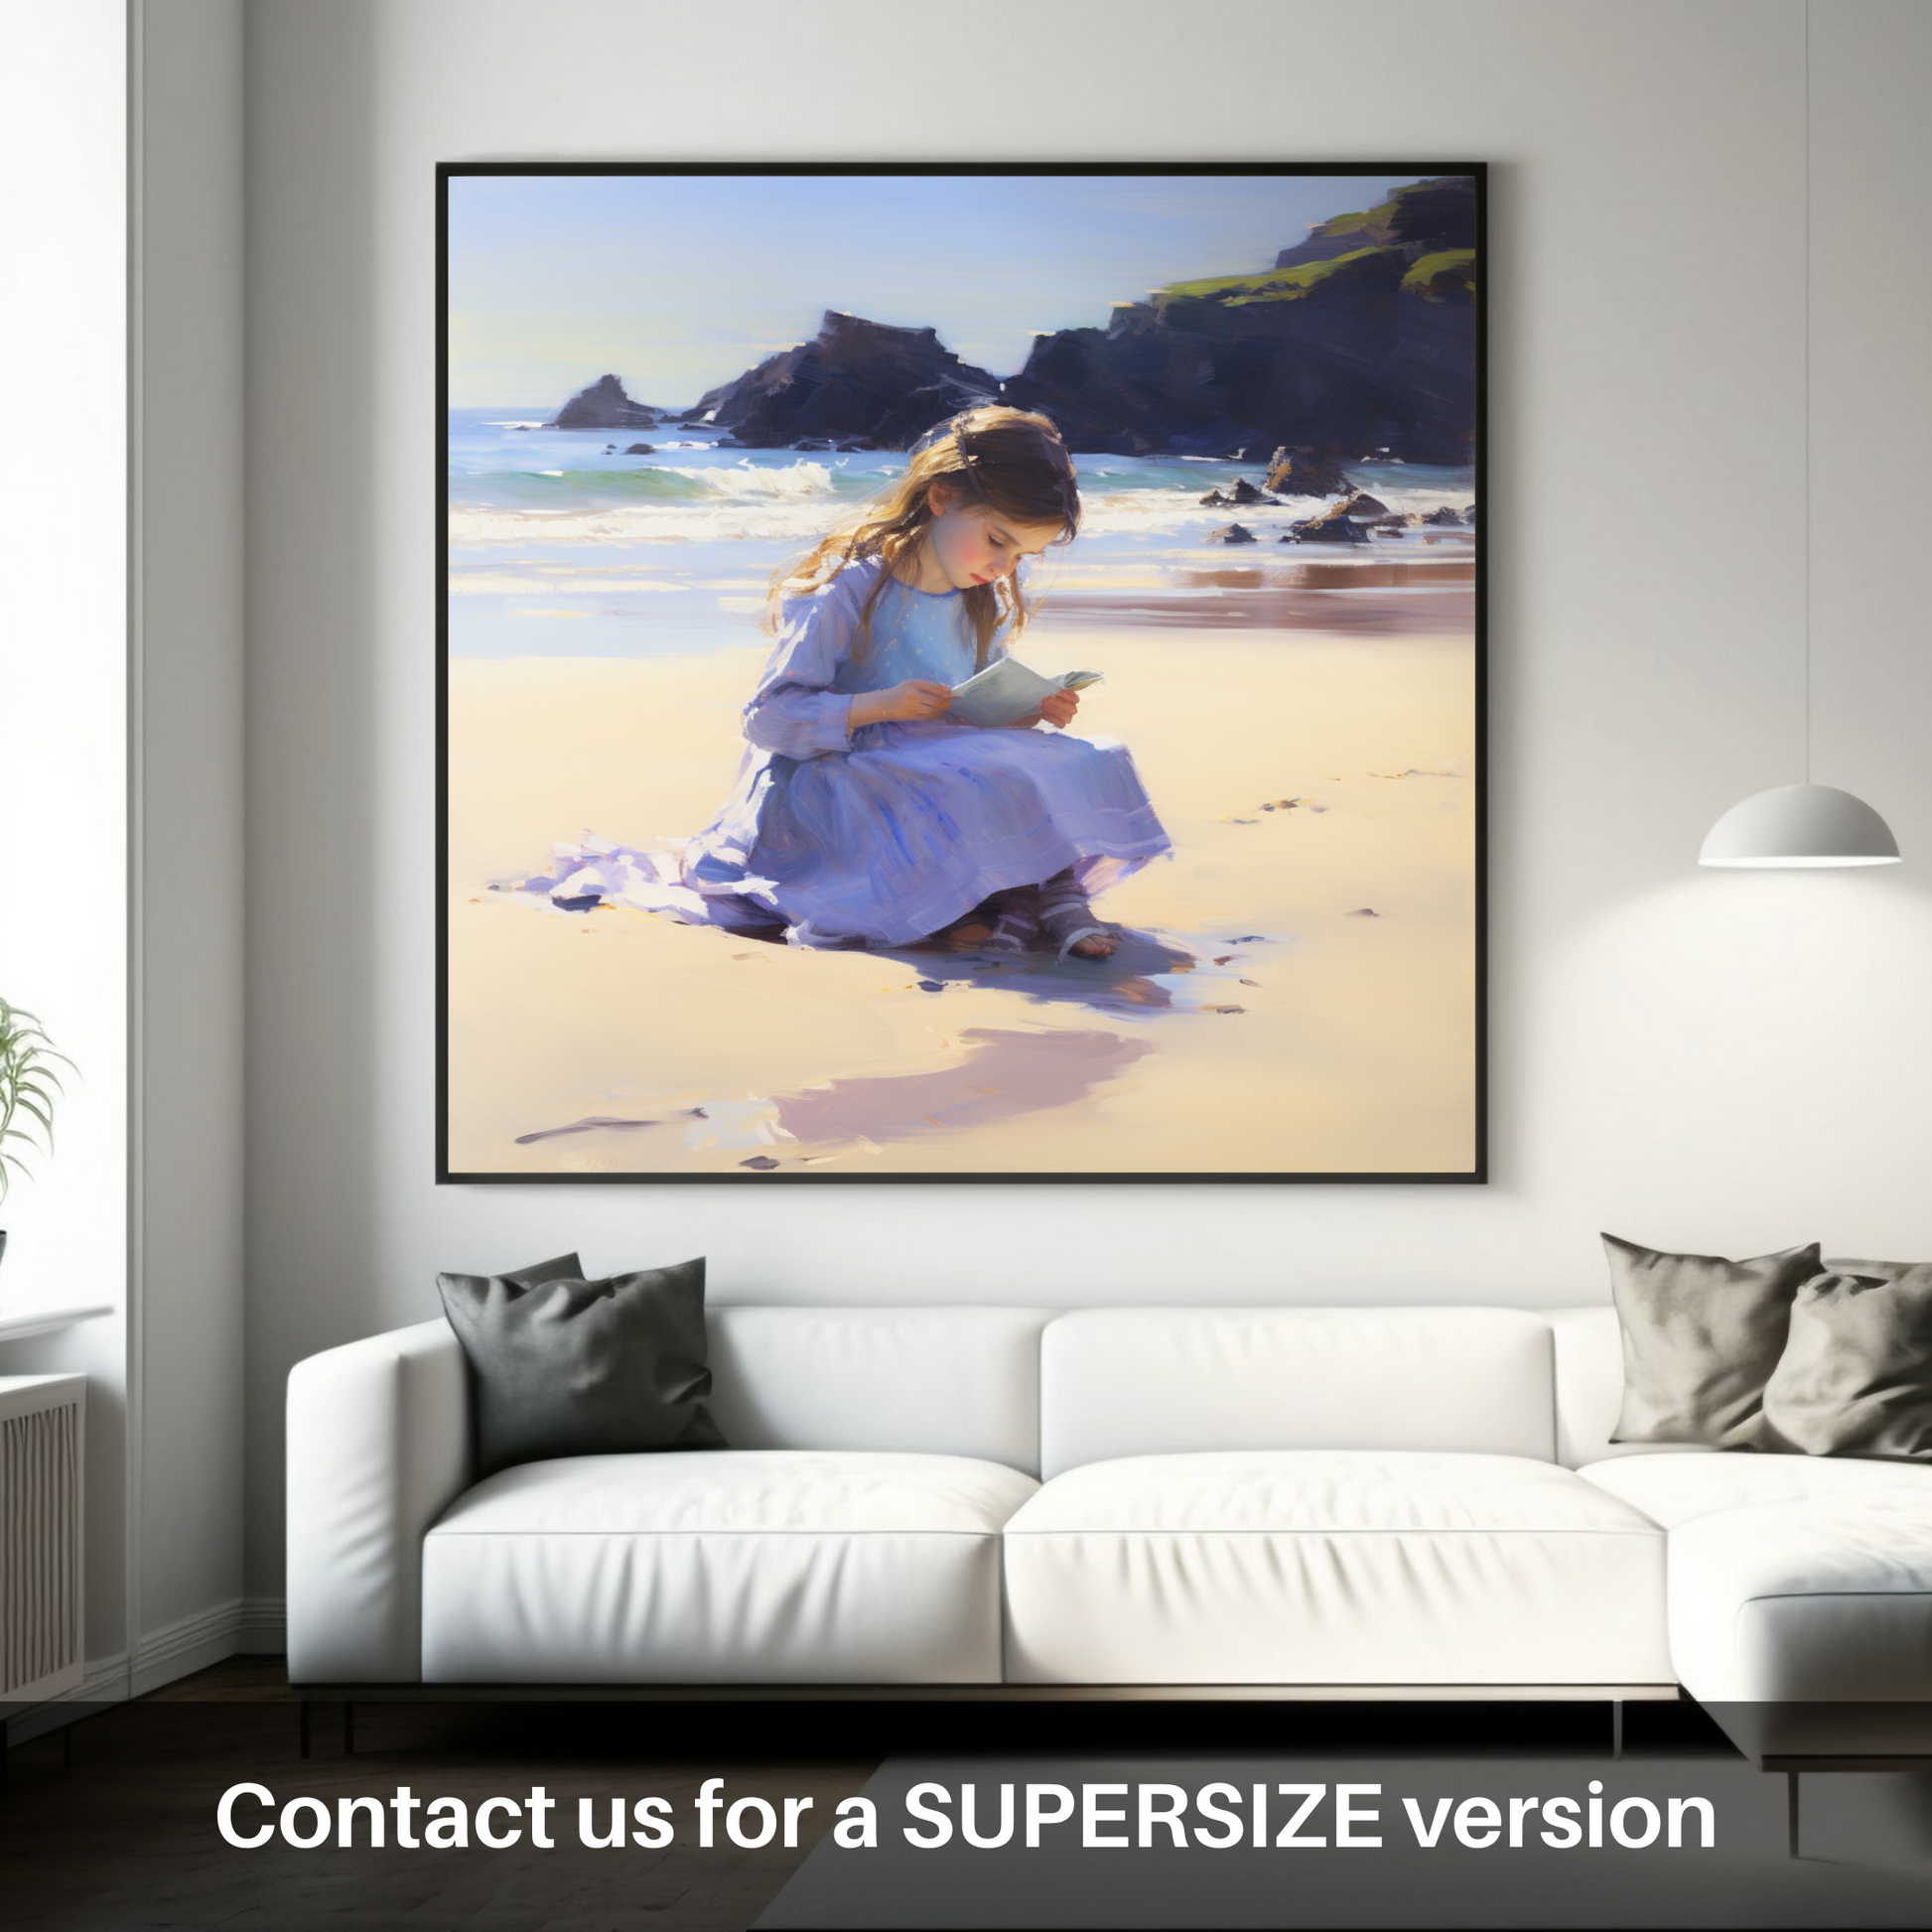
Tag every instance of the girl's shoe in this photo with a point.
(805, 933)
(1067, 920)
(1016, 925)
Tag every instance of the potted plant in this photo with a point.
(29, 1083)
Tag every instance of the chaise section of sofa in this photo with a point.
(1799, 1594)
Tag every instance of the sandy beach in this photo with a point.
(1295, 996)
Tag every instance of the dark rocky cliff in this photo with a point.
(604, 405)
(856, 380)
(1359, 340)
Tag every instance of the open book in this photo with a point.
(1007, 690)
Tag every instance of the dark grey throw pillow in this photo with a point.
(562, 1366)
(1855, 1378)
(1701, 1337)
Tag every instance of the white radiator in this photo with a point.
(41, 1632)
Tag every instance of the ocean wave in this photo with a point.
(539, 488)
(648, 481)
(798, 523)
(590, 583)
(1147, 513)
(742, 479)
(798, 502)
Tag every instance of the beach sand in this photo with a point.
(1299, 997)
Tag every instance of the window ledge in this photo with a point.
(17, 1324)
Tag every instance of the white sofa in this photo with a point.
(1411, 1499)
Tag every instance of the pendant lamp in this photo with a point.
(1800, 825)
(1807, 824)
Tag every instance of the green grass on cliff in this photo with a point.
(1271, 285)
(1374, 217)
(1431, 277)
(1453, 265)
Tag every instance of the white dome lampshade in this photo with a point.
(1800, 825)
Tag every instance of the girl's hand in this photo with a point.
(917, 698)
(1059, 708)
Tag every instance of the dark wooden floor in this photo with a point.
(126, 1839)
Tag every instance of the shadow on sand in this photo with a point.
(1128, 983)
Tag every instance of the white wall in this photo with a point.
(1719, 1061)
(188, 1204)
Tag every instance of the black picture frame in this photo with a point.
(778, 1162)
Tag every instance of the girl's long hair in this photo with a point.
(1011, 461)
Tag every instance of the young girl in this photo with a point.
(864, 814)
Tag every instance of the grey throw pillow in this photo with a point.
(562, 1366)
(1701, 1337)
(1856, 1374)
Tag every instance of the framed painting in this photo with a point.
(961, 673)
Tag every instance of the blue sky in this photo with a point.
(679, 283)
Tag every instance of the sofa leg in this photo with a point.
(1791, 1814)
(1616, 1728)
(305, 1726)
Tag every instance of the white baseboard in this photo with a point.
(107, 1682)
(180, 1648)
(244, 1626)
(264, 1627)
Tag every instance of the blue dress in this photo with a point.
(891, 832)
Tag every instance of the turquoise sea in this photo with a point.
(561, 545)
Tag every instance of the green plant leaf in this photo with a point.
(30, 1087)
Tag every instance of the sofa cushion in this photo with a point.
(1120, 1382)
(727, 1566)
(938, 1381)
(1827, 1600)
(1333, 1567)
(1673, 1486)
